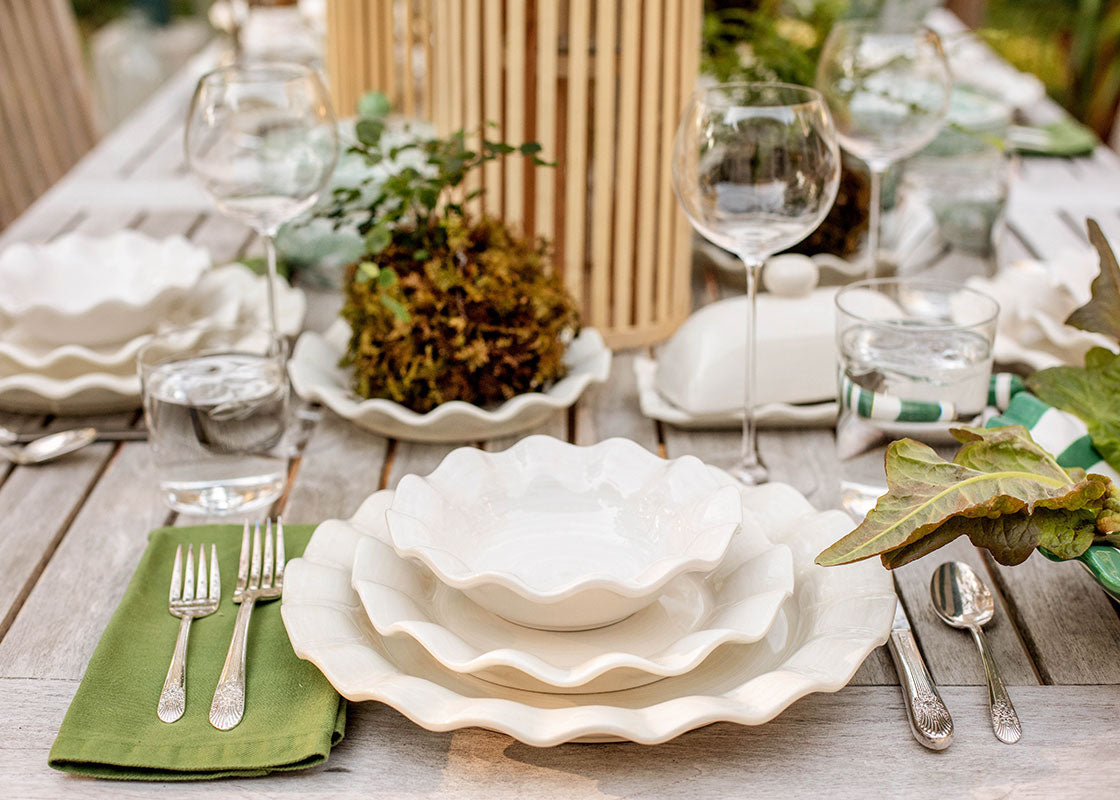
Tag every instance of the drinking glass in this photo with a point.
(755, 168)
(915, 360)
(262, 140)
(216, 405)
(888, 89)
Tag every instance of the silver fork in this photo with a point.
(253, 586)
(188, 600)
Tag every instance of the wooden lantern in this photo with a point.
(599, 83)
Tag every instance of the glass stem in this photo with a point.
(270, 255)
(750, 468)
(874, 211)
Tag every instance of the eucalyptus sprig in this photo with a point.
(414, 204)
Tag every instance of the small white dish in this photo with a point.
(560, 537)
(771, 415)
(835, 618)
(316, 377)
(690, 618)
(73, 379)
(96, 290)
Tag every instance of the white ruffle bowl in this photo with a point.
(96, 290)
(317, 378)
(554, 536)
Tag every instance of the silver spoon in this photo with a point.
(46, 447)
(963, 601)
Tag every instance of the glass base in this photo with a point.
(223, 496)
(750, 473)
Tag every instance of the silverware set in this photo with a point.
(961, 600)
(260, 578)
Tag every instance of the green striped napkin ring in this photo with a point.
(887, 408)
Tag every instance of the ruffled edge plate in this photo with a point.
(835, 618)
(317, 377)
(398, 598)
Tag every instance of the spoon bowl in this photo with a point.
(959, 596)
(49, 447)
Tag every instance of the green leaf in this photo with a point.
(367, 271)
(1102, 313)
(394, 305)
(369, 131)
(999, 472)
(386, 277)
(530, 148)
(421, 255)
(378, 238)
(374, 104)
(1090, 393)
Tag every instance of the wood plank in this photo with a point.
(603, 162)
(626, 171)
(473, 122)
(548, 52)
(649, 177)
(386, 756)
(575, 149)
(516, 32)
(492, 102)
(610, 409)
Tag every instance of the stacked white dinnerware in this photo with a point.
(557, 592)
(75, 311)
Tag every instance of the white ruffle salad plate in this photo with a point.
(822, 633)
(690, 618)
(96, 290)
(36, 377)
(317, 377)
(557, 536)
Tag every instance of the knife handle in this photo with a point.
(929, 718)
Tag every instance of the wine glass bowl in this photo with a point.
(756, 167)
(262, 140)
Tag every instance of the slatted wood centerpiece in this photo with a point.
(599, 83)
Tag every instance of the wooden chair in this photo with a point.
(46, 120)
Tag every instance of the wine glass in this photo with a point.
(888, 89)
(263, 141)
(755, 168)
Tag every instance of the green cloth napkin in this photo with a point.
(1066, 138)
(292, 714)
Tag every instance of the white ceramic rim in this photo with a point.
(703, 550)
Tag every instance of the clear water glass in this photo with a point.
(216, 405)
(755, 168)
(262, 140)
(915, 359)
(887, 86)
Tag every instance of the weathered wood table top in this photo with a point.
(71, 534)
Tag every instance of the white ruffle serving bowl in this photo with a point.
(316, 377)
(836, 616)
(690, 618)
(96, 290)
(560, 537)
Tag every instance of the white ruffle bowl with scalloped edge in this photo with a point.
(96, 290)
(835, 618)
(691, 617)
(561, 537)
(317, 377)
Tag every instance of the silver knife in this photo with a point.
(929, 718)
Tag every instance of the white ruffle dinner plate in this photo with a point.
(316, 377)
(691, 617)
(771, 415)
(823, 632)
(96, 290)
(72, 379)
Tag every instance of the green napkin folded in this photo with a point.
(292, 714)
(1068, 138)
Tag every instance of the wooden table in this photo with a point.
(72, 532)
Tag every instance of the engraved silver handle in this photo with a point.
(173, 698)
(228, 705)
(929, 718)
(1005, 722)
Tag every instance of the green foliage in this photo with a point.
(1002, 490)
(479, 318)
(443, 307)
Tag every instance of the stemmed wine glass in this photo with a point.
(263, 141)
(756, 168)
(888, 90)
